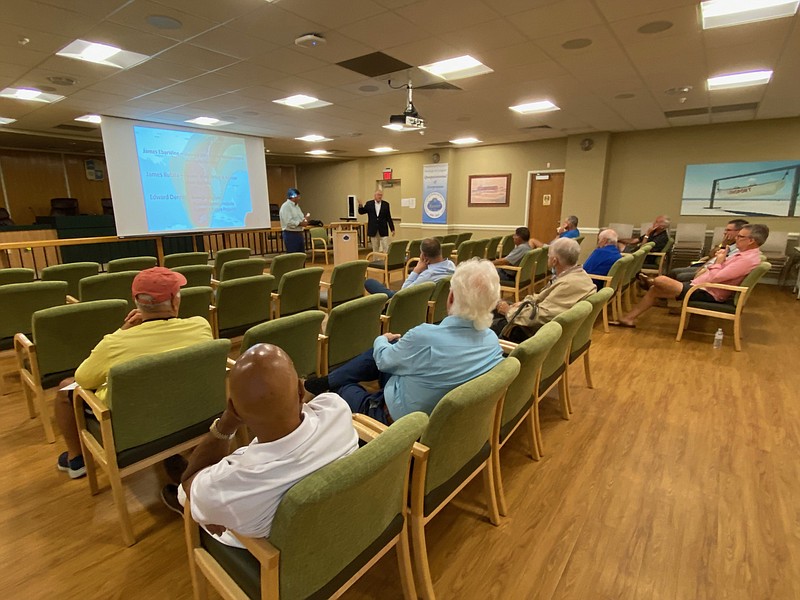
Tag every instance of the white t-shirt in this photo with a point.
(243, 490)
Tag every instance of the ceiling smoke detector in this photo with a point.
(311, 40)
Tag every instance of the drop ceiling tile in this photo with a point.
(12, 36)
(767, 31)
(747, 57)
(384, 31)
(479, 40)
(114, 87)
(227, 41)
(332, 14)
(99, 99)
(17, 55)
(423, 52)
(49, 19)
(194, 56)
(16, 109)
(568, 15)
(11, 71)
(245, 73)
(653, 54)
(602, 41)
(135, 15)
(274, 25)
(213, 10)
(684, 23)
(690, 120)
(615, 10)
(127, 38)
(337, 49)
(287, 60)
(81, 70)
(446, 15)
(510, 7)
(168, 72)
(526, 53)
(92, 8)
(332, 75)
(218, 104)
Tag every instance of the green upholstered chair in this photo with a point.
(506, 245)
(580, 239)
(628, 285)
(448, 249)
(464, 251)
(463, 237)
(351, 329)
(16, 276)
(185, 259)
(492, 246)
(730, 311)
(408, 308)
(583, 338)
(437, 305)
(242, 303)
(63, 337)
(454, 449)
(133, 263)
(450, 238)
(297, 335)
(197, 301)
(319, 243)
(413, 252)
(656, 263)
(223, 256)
(519, 401)
(284, 263)
(243, 267)
(541, 272)
(523, 274)
(107, 286)
(196, 275)
(479, 248)
(18, 302)
(156, 406)
(317, 548)
(347, 283)
(72, 273)
(616, 275)
(383, 265)
(297, 291)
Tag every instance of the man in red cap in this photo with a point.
(152, 327)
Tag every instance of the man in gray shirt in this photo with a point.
(431, 267)
(521, 237)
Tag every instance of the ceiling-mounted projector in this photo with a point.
(410, 119)
(310, 40)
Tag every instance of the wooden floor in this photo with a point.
(677, 478)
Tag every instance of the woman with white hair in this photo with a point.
(416, 370)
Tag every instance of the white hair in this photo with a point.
(609, 235)
(566, 250)
(146, 304)
(476, 290)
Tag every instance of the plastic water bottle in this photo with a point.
(718, 339)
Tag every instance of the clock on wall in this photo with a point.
(436, 158)
(587, 144)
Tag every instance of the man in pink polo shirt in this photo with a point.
(730, 270)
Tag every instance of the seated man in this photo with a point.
(726, 269)
(428, 361)
(568, 229)
(242, 491)
(432, 266)
(728, 241)
(569, 285)
(658, 234)
(521, 237)
(151, 327)
(604, 256)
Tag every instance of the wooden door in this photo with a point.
(279, 179)
(544, 213)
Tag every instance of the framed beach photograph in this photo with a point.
(489, 190)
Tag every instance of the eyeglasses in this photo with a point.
(739, 235)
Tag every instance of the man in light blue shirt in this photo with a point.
(431, 267)
(568, 229)
(292, 222)
(416, 370)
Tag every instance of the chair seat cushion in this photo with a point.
(323, 297)
(548, 381)
(575, 354)
(726, 307)
(375, 265)
(53, 379)
(507, 427)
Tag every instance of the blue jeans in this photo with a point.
(294, 241)
(373, 286)
(506, 276)
(345, 379)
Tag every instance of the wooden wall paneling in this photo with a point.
(86, 191)
(31, 179)
(279, 179)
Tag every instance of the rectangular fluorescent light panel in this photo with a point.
(90, 119)
(534, 107)
(302, 101)
(319, 152)
(6, 121)
(102, 54)
(457, 68)
(313, 137)
(465, 140)
(382, 149)
(737, 80)
(725, 13)
(210, 121)
(29, 94)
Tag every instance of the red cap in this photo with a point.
(159, 283)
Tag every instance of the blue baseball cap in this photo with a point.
(293, 193)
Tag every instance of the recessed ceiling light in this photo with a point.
(655, 27)
(724, 13)
(29, 94)
(101, 54)
(90, 119)
(163, 22)
(6, 121)
(210, 121)
(313, 137)
(576, 44)
(534, 107)
(319, 152)
(737, 80)
(465, 140)
(457, 68)
(302, 101)
(382, 149)
(368, 88)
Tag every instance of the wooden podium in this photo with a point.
(345, 243)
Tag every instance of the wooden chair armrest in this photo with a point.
(420, 451)
(385, 318)
(431, 303)
(600, 277)
(230, 362)
(380, 256)
(510, 267)
(324, 284)
(100, 410)
(72, 299)
(369, 423)
(507, 347)
(24, 348)
(267, 554)
(275, 295)
(721, 286)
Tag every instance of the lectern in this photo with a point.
(345, 243)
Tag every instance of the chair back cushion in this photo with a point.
(409, 307)
(297, 335)
(570, 320)
(753, 277)
(185, 259)
(66, 335)
(464, 251)
(353, 326)
(396, 256)
(414, 248)
(196, 302)
(447, 250)
(196, 275)
(459, 430)
(299, 290)
(243, 302)
(72, 273)
(619, 271)
(16, 276)
(107, 286)
(491, 247)
(243, 267)
(285, 263)
(507, 244)
(479, 248)
(450, 238)
(347, 281)
(530, 354)
(159, 394)
(319, 233)
(462, 237)
(223, 256)
(583, 337)
(439, 296)
(333, 522)
(133, 263)
(528, 266)
(18, 302)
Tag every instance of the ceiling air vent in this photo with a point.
(705, 110)
(440, 144)
(439, 85)
(535, 127)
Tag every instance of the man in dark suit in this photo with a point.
(379, 222)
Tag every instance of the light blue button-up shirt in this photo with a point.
(291, 216)
(430, 360)
(433, 273)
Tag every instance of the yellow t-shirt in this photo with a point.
(123, 345)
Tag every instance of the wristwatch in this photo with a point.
(217, 433)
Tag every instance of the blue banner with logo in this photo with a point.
(434, 193)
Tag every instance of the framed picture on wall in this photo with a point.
(489, 190)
